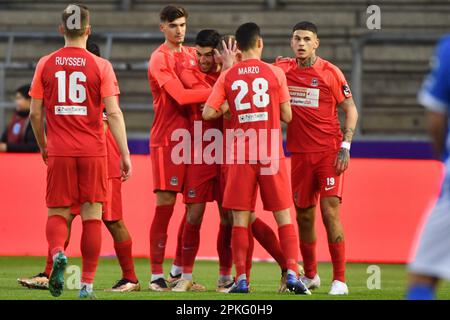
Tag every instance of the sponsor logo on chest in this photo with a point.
(304, 97)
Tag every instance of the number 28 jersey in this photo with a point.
(254, 91)
(72, 83)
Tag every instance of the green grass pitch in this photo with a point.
(264, 281)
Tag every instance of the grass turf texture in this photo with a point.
(264, 282)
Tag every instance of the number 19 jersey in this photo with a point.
(72, 83)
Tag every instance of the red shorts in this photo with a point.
(167, 176)
(201, 183)
(242, 187)
(112, 208)
(74, 180)
(314, 174)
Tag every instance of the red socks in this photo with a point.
(248, 263)
(288, 243)
(178, 261)
(191, 243)
(56, 232)
(337, 252)
(269, 241)
(239, 247)
(123, 253)
(48, 263)
(158, 237)
(91, 243)
(308, 251)
(224, 250)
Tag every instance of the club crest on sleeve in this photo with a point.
(346, 90)
(174, 181)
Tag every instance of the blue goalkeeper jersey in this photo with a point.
(435, 92)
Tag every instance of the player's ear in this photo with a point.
(161, 27)
(260, 43)
(88, 30)
(317, 43)
(61, 29)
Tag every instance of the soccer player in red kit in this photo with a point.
(257, 97)
(169, 101)
(320, 152)
(201, 179)
(112, 218)
(71, 84)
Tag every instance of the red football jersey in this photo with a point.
(315, 93)
(254, 91)
(169, 116)
(72, 83)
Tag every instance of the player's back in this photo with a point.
(253, 90)
(72, 82)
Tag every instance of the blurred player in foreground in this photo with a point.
(71, 84)
(257, 97)
(432, 257)
(112, 218)
(320, 152)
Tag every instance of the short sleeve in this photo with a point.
(435, 92)
(161, 68)
(338, 85)
(109, 86)
(284, 90)
(217, 96)
(37, 87)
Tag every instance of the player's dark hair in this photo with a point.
(247, 35)
(207, 38)
(305, 25)
(172, 12)
(92, 47)
(23, 90)
(68, 13)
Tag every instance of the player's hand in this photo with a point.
(228, 55)
(342, 160)
(125, 166)
(44, 154)
(3, 147)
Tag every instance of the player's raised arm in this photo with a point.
(216, 104)
(160, 69)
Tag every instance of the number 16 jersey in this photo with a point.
(72, 82)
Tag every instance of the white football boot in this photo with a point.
(313, 283)
(338, 288)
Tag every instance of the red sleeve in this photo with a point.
(161, 68)
(37, 87)
(109, 86)
(184, 96)
(338, 85)
(284, 90)
(218, 96)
